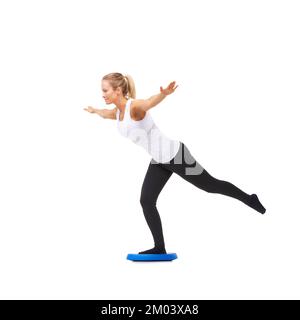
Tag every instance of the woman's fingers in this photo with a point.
(170, 88)
(89, 109)
(172, 84)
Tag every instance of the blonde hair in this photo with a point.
(125, 82)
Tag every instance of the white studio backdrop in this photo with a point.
(70, 184)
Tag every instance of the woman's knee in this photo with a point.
(211, 184)
(147, 201)
(216, 185)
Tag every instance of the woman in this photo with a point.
(168, 156)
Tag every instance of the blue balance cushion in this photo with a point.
(152, 257)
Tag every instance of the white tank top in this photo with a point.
(146, 134)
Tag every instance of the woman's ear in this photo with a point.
(118, 91)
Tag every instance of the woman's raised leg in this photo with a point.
(185, 165)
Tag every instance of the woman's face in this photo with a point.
(108, 93)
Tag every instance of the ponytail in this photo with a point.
(131, 86)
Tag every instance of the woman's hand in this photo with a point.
(170, 89)
(90, 109)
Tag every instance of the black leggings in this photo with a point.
(189, 169)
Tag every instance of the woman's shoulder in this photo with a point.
(136, 109)
(139, 103)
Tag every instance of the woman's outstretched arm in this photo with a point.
(147, 104)
(104, 113)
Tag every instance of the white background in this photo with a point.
(70, 184)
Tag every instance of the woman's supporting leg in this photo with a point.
(155, 179)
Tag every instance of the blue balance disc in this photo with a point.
(152, 257)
